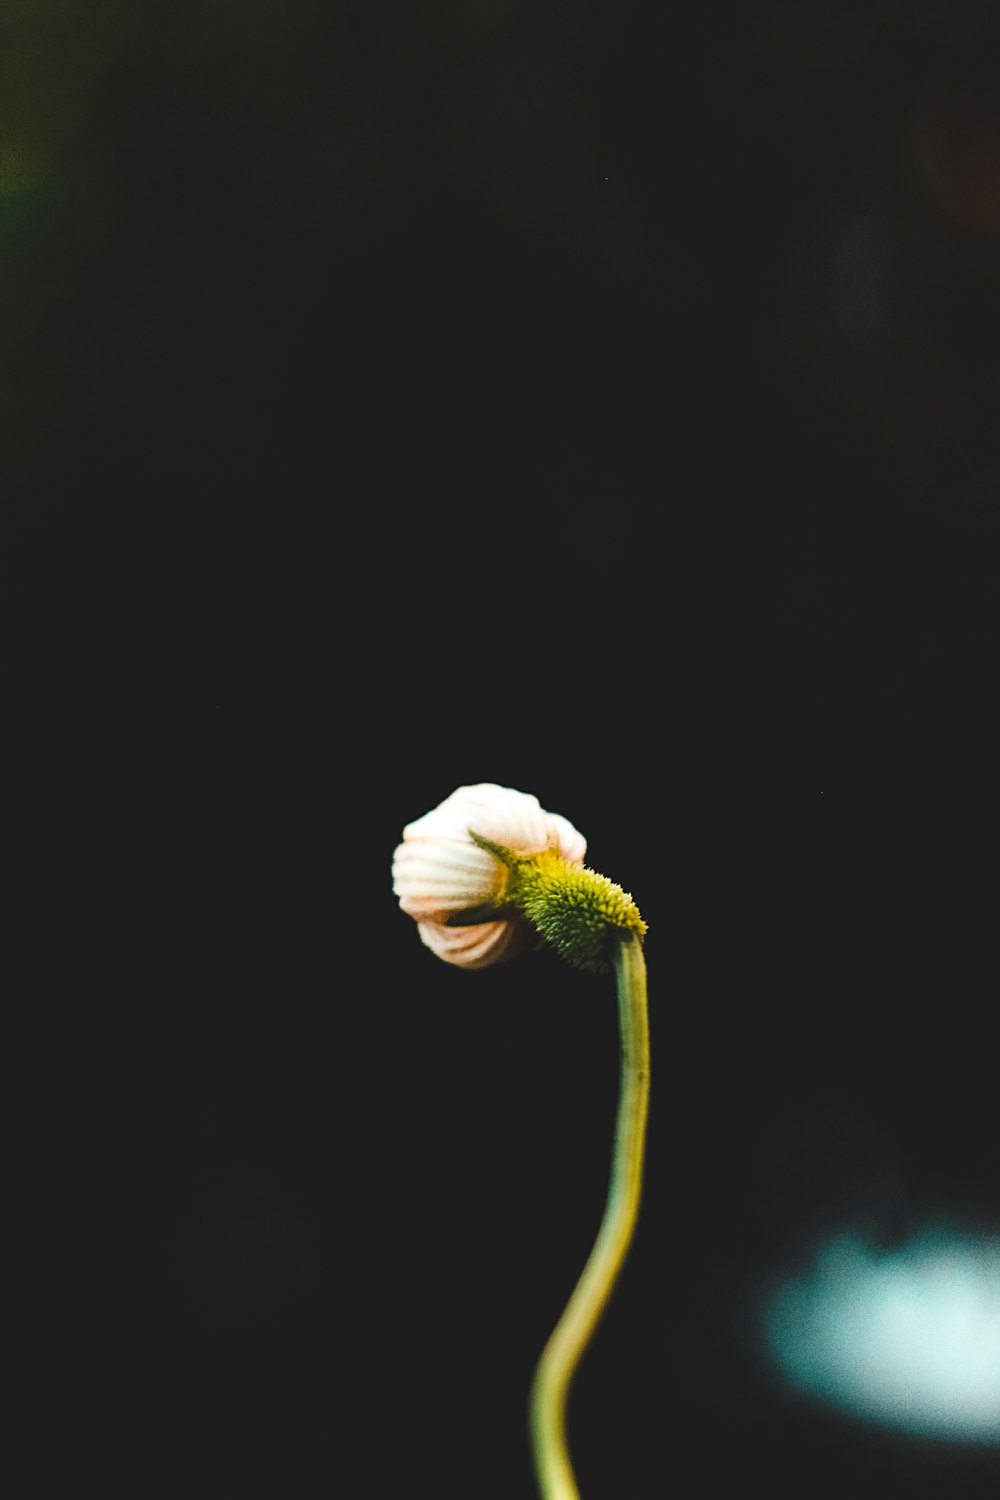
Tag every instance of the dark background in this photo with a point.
(601, 400)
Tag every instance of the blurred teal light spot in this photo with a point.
(907, 1337)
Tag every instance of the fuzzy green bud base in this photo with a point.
(584, 915)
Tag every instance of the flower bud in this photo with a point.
(444, 879)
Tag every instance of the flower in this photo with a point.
(442, 876)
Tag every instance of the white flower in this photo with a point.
(438, 872)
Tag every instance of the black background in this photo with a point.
(598, 400)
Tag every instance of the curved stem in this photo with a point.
(571, 1335)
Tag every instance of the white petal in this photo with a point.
(476, 947)
(434, 877)
(570, 841)
(514, 819)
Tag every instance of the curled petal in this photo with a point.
(479, 946)
(435, 877)
(569, 840)
(514, 819)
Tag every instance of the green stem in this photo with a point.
(571, 1335)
